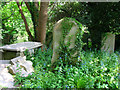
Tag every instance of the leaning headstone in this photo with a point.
(65, 38)
(108, 43)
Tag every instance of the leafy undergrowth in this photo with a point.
(96, 70)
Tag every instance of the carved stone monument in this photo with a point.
(108, 43)
(21, 62)
(65, 38)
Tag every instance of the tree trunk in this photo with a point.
(33, 9)
(41, 32)
(39, 21)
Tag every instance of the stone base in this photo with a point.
(4, 62)
(7, 55)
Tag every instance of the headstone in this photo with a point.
(65, 34)
(108, 43)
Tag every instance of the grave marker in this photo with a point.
(108, 43)
(65, 34)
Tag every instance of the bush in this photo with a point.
(97, 70)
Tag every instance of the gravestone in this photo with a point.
(65, 38)
(108, 43)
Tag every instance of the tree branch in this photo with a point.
(28, 6)
(7, 17)
(25, 21)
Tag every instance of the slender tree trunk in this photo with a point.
(25, 21)
(41, 32)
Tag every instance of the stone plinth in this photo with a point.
(14, 50)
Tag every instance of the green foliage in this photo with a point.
(12, 23)
(96, 15)
(68, 9)
(99, 17)
(110, 22)
(97, 70)
(104, 18)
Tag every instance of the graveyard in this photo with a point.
(42, 47)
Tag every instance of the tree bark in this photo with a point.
(41, 32)
(25, 21)
(33, 9)
(39, 21)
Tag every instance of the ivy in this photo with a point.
(67, 54)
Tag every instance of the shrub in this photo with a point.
(97, 70)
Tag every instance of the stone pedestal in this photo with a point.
(14, 50)
(108, 43)
(8, 55)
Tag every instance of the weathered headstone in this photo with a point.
(65, 35)
(108, 43)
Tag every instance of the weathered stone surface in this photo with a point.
(7, 55)
(18, 59)
(21, 46)
(65, 37)
(4, 65)
(27, 66)
(14, 50)
(6, 79)
(21, 65)
(4, 62)
(15, 69)
(108, 43)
